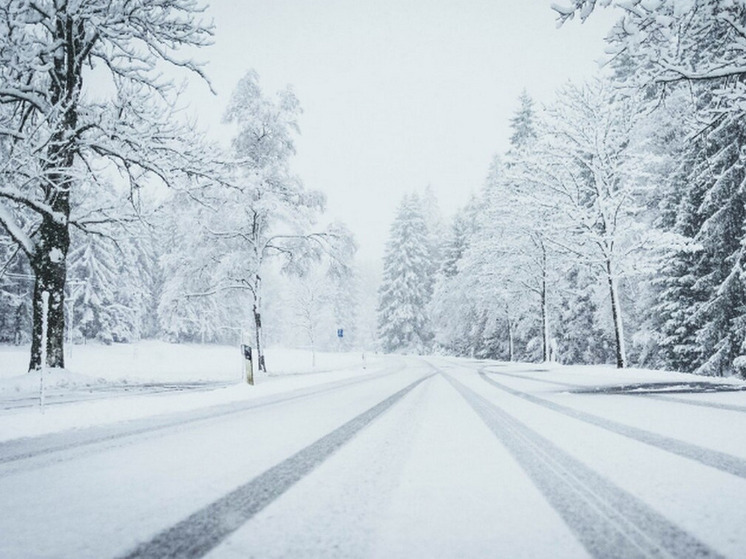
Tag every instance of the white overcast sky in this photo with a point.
(396, 94)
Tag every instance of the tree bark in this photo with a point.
(544, 307)
(258, 325)
(511, 341)
(49, 258)
(616, 314)
(50, 270)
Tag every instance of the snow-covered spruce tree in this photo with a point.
(523, 124)
(581, 339)
(435, 229)
(676, 291)
(403, 324)
(54, 131)
(109, 287)
(453, 305)
(16, 283)
(710, 278)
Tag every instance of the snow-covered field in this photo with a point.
(106, 384)
(160, 361)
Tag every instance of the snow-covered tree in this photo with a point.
(16, 283)
(523, 124)
(705, 296)
(405, 291)
(509, 261)
(265, 215)
(669, 42)
(693, 50)
(57, 130)
(587, 181)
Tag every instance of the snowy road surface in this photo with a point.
(438, 458)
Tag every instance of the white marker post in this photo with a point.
(44, 330)
(249, 363)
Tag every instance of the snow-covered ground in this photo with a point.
(106, 384)
(160, 361)
(410, 457)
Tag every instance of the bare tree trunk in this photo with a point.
(258, 325)
(511, 340)
(616, 313)
(544, 307)
(53, 236)
(313, 353)
(544, 323)
(50, 270)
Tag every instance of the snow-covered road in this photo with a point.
(440, 458)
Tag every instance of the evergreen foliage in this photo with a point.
(403, 323)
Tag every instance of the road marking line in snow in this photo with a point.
(608, 521)
(719, 460)
(202, 531)
(46, 447)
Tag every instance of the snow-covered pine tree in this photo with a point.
(403, 324)
(435, 229)
(523, 124)
(677, 291)
(580, 338)
(16, 282)
(453, 307)
(717, 197)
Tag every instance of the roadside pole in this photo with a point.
(44, 329)
(240, 345)
(248, 363)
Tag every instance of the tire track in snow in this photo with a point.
(96, 393)
(24, 454)
(715, 405)
(534, 379)
(199, 533)
(608, 521)
(707, 457)
(661, 397)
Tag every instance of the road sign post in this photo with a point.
(44, 333)
(248, 363)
